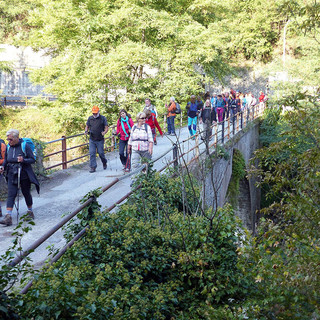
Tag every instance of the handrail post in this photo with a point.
(64, 152)
(253, 112)
(197, 145)
(229, 128)
(175, 156)
(241, 120)
(164, 122)
(237, 121)
(233, 124)
(222, 132)
(113, 142)
(216, 131)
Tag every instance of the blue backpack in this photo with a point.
(23, 147)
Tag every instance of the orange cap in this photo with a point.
(95, 109)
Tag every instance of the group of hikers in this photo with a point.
(136, 140)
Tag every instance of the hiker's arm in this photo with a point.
(86, 129)
(106, 128)
(29, 157)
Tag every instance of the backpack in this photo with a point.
(178, 108)
(1, 142)
(23, 146)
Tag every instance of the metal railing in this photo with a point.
(64, 148)
(222, 132)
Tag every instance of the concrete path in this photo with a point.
(60, 195)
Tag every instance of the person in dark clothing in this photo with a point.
(97, 126)
(206, 119)
(200, 103)
(17, 165)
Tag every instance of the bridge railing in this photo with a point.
(221, 132)
(68, 149)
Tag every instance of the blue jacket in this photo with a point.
(220, 103)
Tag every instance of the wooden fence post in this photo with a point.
(64, 152)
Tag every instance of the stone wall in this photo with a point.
(217, 181)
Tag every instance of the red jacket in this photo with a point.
(153, 122)
(261, 97)
(123, 135)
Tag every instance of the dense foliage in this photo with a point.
(148, 260)
(285, 254)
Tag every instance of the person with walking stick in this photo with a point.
(19, 175)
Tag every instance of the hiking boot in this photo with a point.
(92, 170)
(155, 142)
(29, 215)
(105, 166)
(7, 220)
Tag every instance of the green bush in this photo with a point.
(149, 260)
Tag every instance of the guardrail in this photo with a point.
(222, 132)
(63, 150)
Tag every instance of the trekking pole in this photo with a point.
(19, 186)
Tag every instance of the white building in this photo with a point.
(23, 61)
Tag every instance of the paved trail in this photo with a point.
(60, 194)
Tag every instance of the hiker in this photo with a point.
(2, 155)
(151, 107)
(124, 126)
(152, 121)
(141, 141)
(97, 126)
(17, 164)
(192, 115)
(171, 116)
(220, 107)
(262, 99)
(206, 119)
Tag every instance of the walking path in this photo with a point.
(60, 195)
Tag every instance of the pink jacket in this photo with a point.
(123, 135)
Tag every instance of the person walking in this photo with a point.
(152, 121)
(97, 126)
(220, 107)
(17, 165)
(171, 116)
(141, 141)
(124, 126)
(151, 107)
(192, 115)
(206, 119)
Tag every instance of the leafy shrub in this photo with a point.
(149, 260)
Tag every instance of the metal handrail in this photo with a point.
(64, 148)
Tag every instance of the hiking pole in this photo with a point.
(19, 186)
